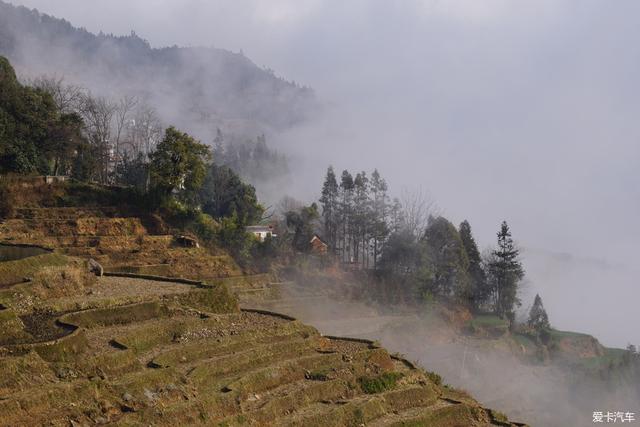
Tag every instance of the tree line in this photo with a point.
(51, 128)
(357, 216)
(405, 242)
(252, 159)
(54, 129)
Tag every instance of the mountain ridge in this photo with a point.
(199, 88)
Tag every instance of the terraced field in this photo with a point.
(136, 244)
(169, 362)
(135, 349)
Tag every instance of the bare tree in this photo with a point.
(418, 206)
(68, 98)
(145, 130)
(98, 114)
(123, 110)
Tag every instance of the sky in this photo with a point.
(525, 111)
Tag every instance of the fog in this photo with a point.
(493, 372)
(524, 111)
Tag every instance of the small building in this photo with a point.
(51, 179)
(187, 241)
(318, 246)
(261, 231)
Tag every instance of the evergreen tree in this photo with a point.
(345, 214)
(303, 224)
(538, 318)
(35, 136)
(179, 165)
(445, 260)
(480, 290)
(329, 202)
(506, 273)
(401, 254)
(133, 171)
(224, 194)
(380, 211)
(218, 147)
(360, 218)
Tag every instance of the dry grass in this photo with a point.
(60, 281)
(12, 272)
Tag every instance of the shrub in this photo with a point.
(435, 378)
(177, 213)
(205, 227)
(499, 416)
(232, 236)
(321, 375)
(386, 381)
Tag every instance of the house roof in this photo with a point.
(258, 228)
(316, 237)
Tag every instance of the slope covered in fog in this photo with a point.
(202, 88)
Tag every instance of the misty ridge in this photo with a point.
(242, 112)
(197, 88)
(200, 89)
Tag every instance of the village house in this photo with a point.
(261, 231)
(318, 246)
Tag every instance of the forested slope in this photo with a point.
(196, 87)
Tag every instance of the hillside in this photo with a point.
(124, 349)
(551, 383)
(195, 88)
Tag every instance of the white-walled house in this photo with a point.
(261, 231)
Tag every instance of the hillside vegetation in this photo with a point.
(197, 88)
(127, 350)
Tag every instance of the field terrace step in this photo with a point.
(89, 226)
(111, 292)
(65, 213)
(365, 408)
(22, 372)
(328, 386)
(53, 404)
(190, 263)
(138, 384)
(440, 412)
(191, 330)
(264, 379)
(187, 355)
(270, 407)
(344, 413)
(219, 369)
(122, 242)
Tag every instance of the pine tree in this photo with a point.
(360, 217)
(345, 214)
(538, 318)
(218, 148)
(397, 216)
(446, 260)
(506, 273)
(380, 211)
(480, 291)
(329, 202)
